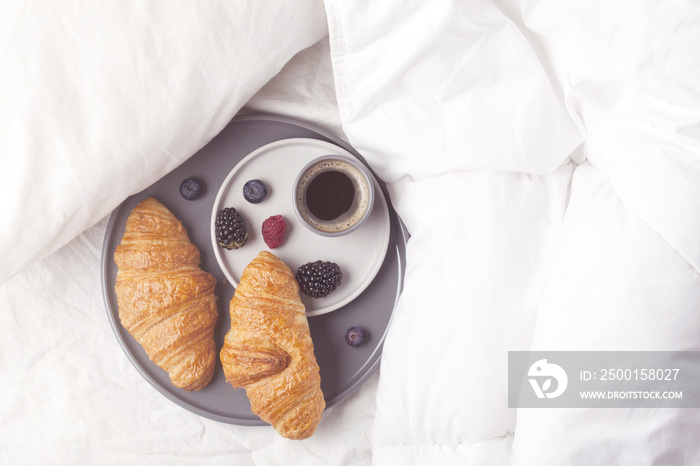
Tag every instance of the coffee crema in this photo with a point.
(333, 195)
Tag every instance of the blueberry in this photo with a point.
(254, 191)
(355, 336)
(190, 189)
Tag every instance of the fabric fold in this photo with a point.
(650, 151)
(426, 88)
(613, 284)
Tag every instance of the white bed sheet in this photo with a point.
(529, 146)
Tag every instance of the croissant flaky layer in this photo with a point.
(269, 352)
(166, 302)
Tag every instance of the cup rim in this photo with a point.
(370, 191)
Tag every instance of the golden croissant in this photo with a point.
(166, 302)
(269, 352)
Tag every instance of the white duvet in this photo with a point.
(544, 155)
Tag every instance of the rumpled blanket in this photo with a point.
(545, 157)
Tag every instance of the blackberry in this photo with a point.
(231, 231)
(318, 279)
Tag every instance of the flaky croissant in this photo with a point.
(165, 300)
(269, 352)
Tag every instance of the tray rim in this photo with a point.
(373, 361)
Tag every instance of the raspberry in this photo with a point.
(273, 230)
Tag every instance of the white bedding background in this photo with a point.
(545, 156)
(97, 101)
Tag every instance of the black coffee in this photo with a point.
(333, 195)
(329, 195)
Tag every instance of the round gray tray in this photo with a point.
(343, 368)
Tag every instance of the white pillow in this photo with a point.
(99, 100)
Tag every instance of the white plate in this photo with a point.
(359, 254)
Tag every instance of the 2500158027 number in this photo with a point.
(639, 374)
